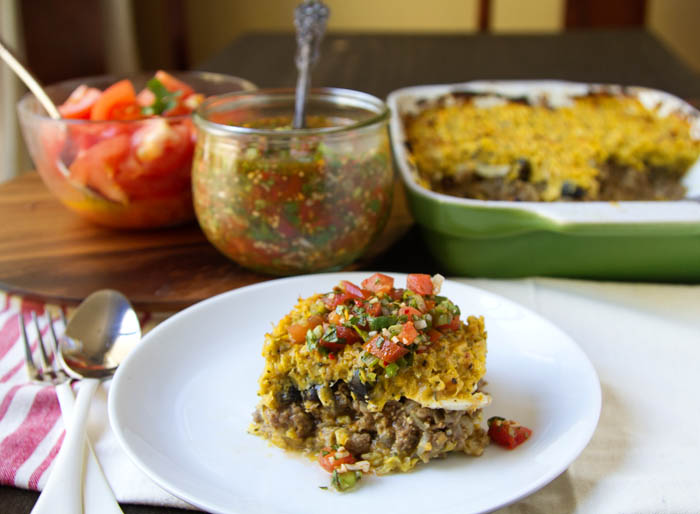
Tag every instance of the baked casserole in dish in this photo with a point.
(518, 178)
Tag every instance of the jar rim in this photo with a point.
(328, 95)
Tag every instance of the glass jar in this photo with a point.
(281, 200)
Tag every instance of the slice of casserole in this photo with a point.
(379, 377)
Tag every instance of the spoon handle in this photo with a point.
(310, 18)
(29, 80)
(63, 492)
(98, 496)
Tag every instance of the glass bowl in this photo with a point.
(120, 174)
(285, 201)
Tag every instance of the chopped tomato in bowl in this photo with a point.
(122, 154)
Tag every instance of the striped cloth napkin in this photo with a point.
(31, 428)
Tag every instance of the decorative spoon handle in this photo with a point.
(310, 18)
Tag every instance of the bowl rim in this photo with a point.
(24, 104)
(348, 97)
(557, 214)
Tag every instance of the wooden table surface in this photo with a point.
(161, 270)
(379, 64)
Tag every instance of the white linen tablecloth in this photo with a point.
(644, 341)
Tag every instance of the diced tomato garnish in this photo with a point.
(347, 334)
(507, 433)
(332, 346)
(419, 283)
(434, 335)
(386, 350)
(329, 462)
(352, 290)
(80, 102)
(297, 331)
(378, 283)
(454, 324)
(119, 99)
(409, 311)
(396, 294)
(334, 318)
(333, 300)
(372, 308)
(408, 333)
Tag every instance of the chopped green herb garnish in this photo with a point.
(391, 370)
(345, 481)
(381, 322)
(164, 99)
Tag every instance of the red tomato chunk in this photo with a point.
(507, 433)
(385, 349)
(419, 283)
(328, 460)
(378, 283)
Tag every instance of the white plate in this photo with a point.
(181, 403)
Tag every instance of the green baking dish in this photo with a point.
(657, 241)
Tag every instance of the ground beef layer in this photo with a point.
(394, 439)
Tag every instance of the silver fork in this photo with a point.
(97, 494)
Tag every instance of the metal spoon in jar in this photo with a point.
(99, 335)
(310, 18)
(35, 87)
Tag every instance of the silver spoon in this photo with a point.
(99, 335)
(310, 18)
(35, 87)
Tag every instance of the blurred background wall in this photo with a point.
(86, 37)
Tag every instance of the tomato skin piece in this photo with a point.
(388, 352)
(352, 290)
(507, 433)
(327, 460)
(80, 102)
(419, 283)
(117, 98)
(378, 283)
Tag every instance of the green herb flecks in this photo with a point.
(164, 99)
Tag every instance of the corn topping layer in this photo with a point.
(558, 153)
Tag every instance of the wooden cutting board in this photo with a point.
(49, 253)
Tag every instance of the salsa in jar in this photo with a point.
(285, 201)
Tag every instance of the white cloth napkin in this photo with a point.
(644, 341)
